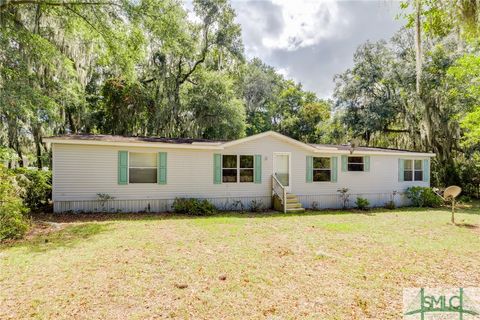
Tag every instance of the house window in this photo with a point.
(246, 168)
(229, 168)
(355, 164)
(142, 168)
(413, 170)
(418, 170)
(321, 169)
(237, 168)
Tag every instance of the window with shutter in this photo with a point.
(142, 167)
(162, 168)
(122, 167)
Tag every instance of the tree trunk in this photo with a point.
(37, 138)
(38, 148)
(418, 43)
(16, 147)
(73, 127)
(13, 142)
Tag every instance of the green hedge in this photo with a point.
(423, 197)
(193, 206)
(13, 222)
(37, 185)
(362, 203)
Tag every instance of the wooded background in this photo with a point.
(148, 68)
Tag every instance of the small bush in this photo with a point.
(362, 203)
(37, 185)
(237, 205)
(390, 205)
(193, 206)
(344, 196)
(423, 197)
(256, 206)
(431, 199)
(464, 199)
(103, 198)
(13, 223)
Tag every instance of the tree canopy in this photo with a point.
(136, 68)
(149, 67)
(386, 101)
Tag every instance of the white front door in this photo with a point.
(281, 168)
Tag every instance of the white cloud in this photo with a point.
(305, 23)
(285, 24)
(284, 72)
(312, 40)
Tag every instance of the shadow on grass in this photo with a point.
(471, 208)
(67, 237)
(467, 225)
(93, 217)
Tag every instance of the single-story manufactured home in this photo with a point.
(94, 173)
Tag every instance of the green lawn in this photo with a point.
(318, 265)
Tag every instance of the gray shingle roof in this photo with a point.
(346, 147)
(115, 138)
(139, 139)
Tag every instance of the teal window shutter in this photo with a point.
(366, 163)
(333, 175)
(344, 163)
(122, 167)
(309, 173)
(217, 168)
(426, 170)
(401, 166)
(162, 168)
(258, 169)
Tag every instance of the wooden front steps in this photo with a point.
(293, 205)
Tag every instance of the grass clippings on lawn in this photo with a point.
(324, 265)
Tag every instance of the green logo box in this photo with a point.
(441, 303)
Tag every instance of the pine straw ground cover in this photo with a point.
(319, 265)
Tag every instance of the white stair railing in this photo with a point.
(280, 191)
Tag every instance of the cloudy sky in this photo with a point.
(312, 40)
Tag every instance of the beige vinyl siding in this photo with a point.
(382, 177)
(80, 172)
